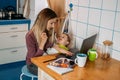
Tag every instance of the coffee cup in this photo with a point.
(81, 59)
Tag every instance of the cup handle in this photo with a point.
(75, 61)
(88, 53)
(96, 55)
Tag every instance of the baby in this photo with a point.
(61, 46)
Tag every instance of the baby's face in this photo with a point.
(63, 39)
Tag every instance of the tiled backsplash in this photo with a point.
(97, 16)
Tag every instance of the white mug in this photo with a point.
(81, 59)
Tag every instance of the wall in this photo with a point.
(35, 7)
(97, 16)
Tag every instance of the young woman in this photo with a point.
(40, 37)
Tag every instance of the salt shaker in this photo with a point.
(107, 49)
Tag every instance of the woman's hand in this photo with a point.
(43, 40)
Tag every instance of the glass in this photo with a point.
(106, 49)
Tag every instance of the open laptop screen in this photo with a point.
(88, 43)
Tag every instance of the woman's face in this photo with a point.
(51, 23)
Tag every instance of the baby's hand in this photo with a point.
(69, 53)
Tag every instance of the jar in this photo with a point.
(106, 50)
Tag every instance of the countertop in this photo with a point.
(96, 70)
(16, 21)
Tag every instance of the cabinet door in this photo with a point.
(13, 39)
(13, 28)
(43, 75)
(12, 55)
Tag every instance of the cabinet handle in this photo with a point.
(13, 28)
(14, 51)
(14, 36)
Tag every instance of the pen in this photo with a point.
(49, 60)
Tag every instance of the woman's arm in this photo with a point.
(32, 47)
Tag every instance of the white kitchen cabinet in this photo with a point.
(43, 75)
(13, 39)
(13, 28)
(12, 42)
(12, 55)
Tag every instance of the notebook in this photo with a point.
(61, 65)
(86, 45)
(59, 70)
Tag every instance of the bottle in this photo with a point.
(107, 49)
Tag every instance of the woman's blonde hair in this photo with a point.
(40, 24)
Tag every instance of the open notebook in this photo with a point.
(61, 65)
(60, 70)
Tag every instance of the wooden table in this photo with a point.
(97, 70)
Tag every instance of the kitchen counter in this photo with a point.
(16, 21)
(97, 70)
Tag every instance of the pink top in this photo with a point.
(32, 47)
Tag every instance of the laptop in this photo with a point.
(86, 45)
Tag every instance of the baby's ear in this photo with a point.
(68, 42)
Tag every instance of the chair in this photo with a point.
(27, 73)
